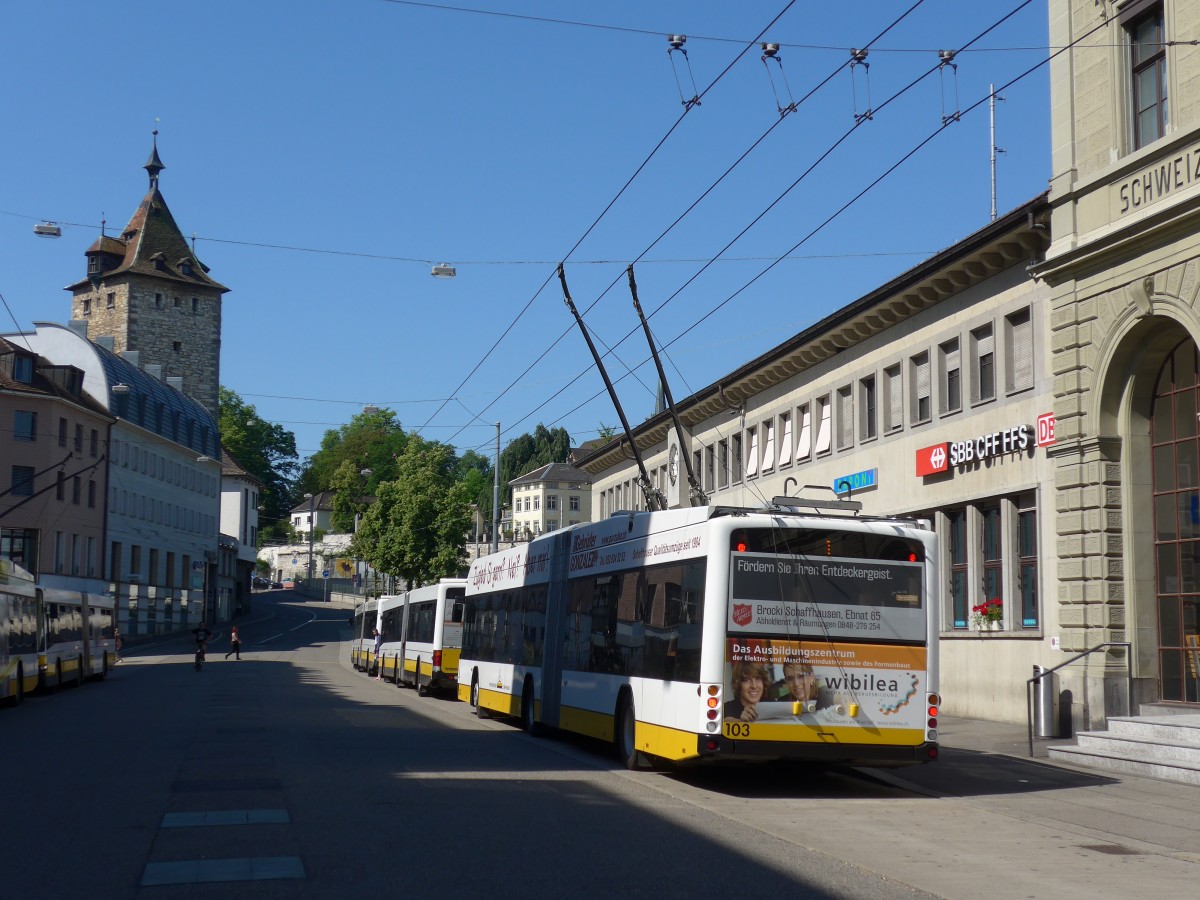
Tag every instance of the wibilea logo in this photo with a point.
(743, 613)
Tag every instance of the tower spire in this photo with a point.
(154, 165)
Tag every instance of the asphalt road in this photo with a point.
(288, 774)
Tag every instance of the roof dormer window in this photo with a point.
(160, 262)
(185, 266)
(23, 368)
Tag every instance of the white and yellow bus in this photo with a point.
(77, 639)
(715, 633)
(18, 633)
(50, 637)
(362, 644)
(422, 636)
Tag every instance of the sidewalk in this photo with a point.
(992, 737)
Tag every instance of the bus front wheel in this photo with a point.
(18, 694)
(479, 710)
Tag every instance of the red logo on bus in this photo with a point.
(931, 460)
(743, 613)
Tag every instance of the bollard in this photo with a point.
(1045, 704)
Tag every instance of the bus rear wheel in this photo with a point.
(625, 737)
(529, 720)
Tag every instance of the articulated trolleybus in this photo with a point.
(422, 634)
(715, 633)
(362, 645)
(50, 637)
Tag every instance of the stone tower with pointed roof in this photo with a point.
(147, 290)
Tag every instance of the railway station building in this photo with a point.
(1032, 391)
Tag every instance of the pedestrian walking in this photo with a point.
(235, 643)
(378, 647)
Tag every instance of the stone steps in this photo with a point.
(1156, 746)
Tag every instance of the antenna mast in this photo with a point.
(992, 98)
(699, 498)
(653, 499)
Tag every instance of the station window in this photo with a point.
(1148, 70)
(921, 382)
(845, 421)
(983, 363)
(1018, 341)
(950, 377)
(867, 408)
(893, 411)
(992, 553)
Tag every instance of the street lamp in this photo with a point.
(311, 529)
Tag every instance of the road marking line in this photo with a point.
(226, 817)
(204, 871)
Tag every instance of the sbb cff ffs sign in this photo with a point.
(940, 457)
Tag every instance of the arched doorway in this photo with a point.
(1175, 446)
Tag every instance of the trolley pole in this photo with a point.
(496, 496)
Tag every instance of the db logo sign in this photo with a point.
(1045, 429)
(931, 460)
(743, 613)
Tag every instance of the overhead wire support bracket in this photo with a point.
(771, 51)
(859, 58)
(698, 497)
(676, 42)
(946, 58)
(654, 499)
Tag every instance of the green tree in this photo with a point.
(530, 451)
(265, 450)
(351, 494)
(370, 440)
(416, 527)
(476, 472)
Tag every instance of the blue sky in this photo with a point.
(385, 136)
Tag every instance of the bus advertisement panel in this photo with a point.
(778, 685)
(826, 597)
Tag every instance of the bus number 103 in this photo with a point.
(737, 729)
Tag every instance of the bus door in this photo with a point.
(556, 621)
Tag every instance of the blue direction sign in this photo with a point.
(325, 574)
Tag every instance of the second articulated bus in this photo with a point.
(422, 634)
(715, 633)
(362, 644)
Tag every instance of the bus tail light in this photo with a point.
(712, 703)
(437, 659)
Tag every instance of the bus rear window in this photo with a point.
(826, 542)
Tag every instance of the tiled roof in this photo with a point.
(152, 244)
(322, 501)
(554, 472)
(233, 468)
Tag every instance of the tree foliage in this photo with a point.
(370, 440)
(416, 527)
(266, 451)
(530, 451)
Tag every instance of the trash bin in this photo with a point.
(1045, 705)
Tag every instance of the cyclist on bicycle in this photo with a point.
(202, 636)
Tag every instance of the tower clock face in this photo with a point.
(673, 464)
